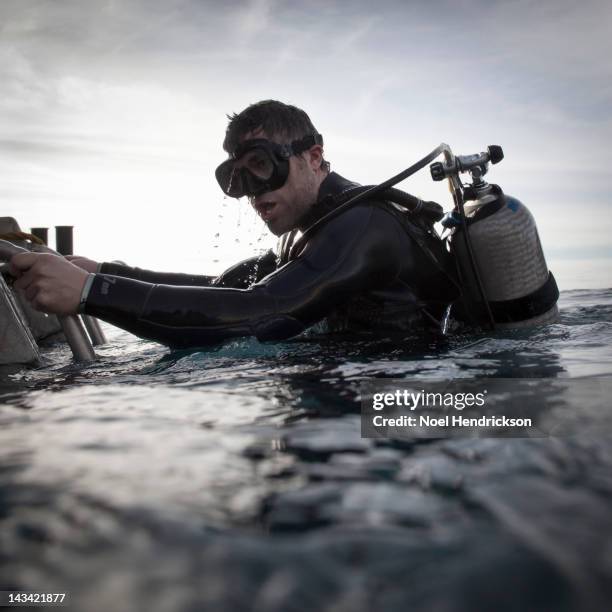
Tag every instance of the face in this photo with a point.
(282, 209)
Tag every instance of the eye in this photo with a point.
(259, 164)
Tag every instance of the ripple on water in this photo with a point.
(135, 477)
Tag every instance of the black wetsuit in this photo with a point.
(372, 267)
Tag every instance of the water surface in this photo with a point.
(235, 478)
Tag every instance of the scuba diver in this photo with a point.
(377, 264)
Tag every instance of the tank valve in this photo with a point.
(437, 171)
(496, 153)
(476, 164)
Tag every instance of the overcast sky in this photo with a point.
(112, 113)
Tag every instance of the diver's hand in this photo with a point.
(52, 284)
(89, 265)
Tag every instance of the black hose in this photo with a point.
(468, 246)
(370, 192)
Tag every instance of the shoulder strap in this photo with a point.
(429, 212)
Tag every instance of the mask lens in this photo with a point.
(230, 179)
(258, 163)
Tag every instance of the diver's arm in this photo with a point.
(357, 251)
(239, 276)
(149, 276)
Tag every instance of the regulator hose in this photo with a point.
(412, 203)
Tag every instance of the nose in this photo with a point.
(258, 200)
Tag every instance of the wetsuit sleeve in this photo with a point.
(355, 252)
(150, 276)
(239, 276)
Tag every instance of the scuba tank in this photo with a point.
(494, 240)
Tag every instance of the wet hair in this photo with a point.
(278, 120)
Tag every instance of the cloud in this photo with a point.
(140, 88)
(254, 18)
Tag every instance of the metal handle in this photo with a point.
(92, 325)
(77, 338)
(71, 326)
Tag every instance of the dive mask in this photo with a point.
(260, 165)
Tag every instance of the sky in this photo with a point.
(112, 113)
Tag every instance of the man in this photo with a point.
(374, 266)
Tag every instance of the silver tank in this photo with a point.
(508, 255)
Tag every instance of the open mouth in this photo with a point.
(264, 209)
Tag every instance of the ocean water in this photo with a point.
(235, 478)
